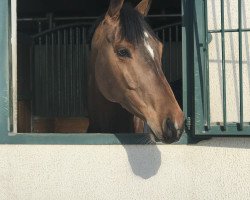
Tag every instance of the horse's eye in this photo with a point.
(123, 53)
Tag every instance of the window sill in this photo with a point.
(81, 139)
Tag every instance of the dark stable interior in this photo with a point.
(35, 8)
(36, 16)
(76, 8)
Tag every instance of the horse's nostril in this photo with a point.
(171, 131)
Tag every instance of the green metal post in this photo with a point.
(223, 65)
(4, 69)
(240, 63)
(206, 72)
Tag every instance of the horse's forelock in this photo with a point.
(132, 25)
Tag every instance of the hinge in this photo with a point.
(188, 123)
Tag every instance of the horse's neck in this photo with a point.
(106, 116)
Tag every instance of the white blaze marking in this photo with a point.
(149, 48)
(146, 34)
(147, 45)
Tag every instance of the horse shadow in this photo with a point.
(145, 160)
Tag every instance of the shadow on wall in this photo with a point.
(145, 160)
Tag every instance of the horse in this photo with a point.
(127, 89)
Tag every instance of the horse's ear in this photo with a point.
(143, 7)
(114, 8)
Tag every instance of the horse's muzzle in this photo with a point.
(171, 133)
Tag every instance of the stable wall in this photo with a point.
(213, 169)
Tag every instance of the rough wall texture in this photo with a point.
(232, 60)
(215, 169)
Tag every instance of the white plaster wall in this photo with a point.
(214, 169)
(232, 59)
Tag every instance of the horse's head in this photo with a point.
(127, 59)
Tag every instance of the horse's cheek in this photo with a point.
(105, 83)
(130, 78)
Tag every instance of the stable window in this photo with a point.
(48, 50)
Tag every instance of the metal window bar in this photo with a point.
(229, 30)
(240, 64)
(222, 31)
(206, 91)
(169, 35)
(58, 91)
(170, 53)
(224, 92)
(177, 28)
(29, 19)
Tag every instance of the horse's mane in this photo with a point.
(132, 25)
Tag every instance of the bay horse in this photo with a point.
(126, 85)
